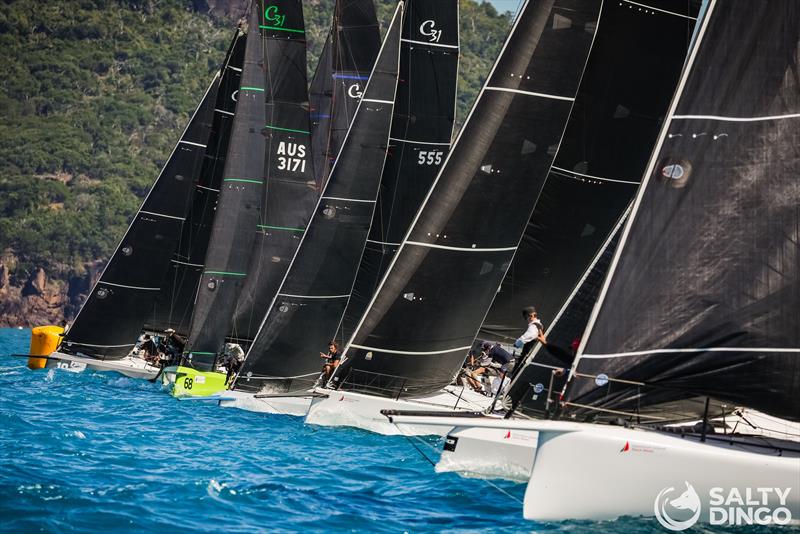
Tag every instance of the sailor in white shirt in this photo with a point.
(535, 332)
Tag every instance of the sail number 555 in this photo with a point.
(430, 157)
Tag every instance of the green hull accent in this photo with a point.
(193, 383)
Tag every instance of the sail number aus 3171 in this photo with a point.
(429, 157)
(291, 157)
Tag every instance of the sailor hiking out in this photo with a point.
(535, 332)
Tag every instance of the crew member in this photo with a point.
(535, 332)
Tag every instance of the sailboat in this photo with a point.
(305, 312)
(266, 203)
(698, 313)
(418, 326)
(606, 149)
(103, 335)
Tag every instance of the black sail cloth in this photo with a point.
(174, 302)
(232, 234)
(703, 297)
(320, 95)
(290, 194)
(433, 299)
(306, 312)
(111, 319)
(420, 141)
(611, 132)
(355, 40)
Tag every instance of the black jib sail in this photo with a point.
(237, 212)
(111, 319)
(175, 301)
(432, 301)
(305, 313)
(610, 135)
(355, 39)
(537, 383)
(703, 295)
(320, 95)
(290, 194)
(422, 129)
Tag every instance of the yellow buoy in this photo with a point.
(44, 341)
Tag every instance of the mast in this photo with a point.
(290, 194)
(237, 212)
(355, 40)
(111, 319)
(422, 130)
(610, 135)
(174, 302)
(432, 300)
(307, 309)
(703, 292)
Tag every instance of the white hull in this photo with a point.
(129, 366)
(295, 405)
(489, 452)
(346, 408)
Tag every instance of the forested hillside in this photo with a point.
(94, 95)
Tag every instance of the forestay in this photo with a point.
(703, 294)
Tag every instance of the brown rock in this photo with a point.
(4, 278)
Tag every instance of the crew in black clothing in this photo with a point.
(332, 359)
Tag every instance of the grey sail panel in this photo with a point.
(356, 39)
(111, 319)
(290, 193)
(175, 301)
(237, 211)
(430, 304)
(703, 296)
(306, 311)
(611, 132)
(422, 128)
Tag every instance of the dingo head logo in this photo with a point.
(428, 29)
(272, 16)
(688, 500)
(354, 91)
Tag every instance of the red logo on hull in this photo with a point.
(626, 448)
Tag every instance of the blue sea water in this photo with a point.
(97, 452)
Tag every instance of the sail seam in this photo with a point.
(313, 296)
(286, 129)
(531, 93)
(661, 10)
(594, 177)
(192, 143)
(208, 188)
(417, 353)
(129, 287)
(162, 215)
(225, 273)
(289, 228)
(383, 242)
(429, 44)
(225, 112)
(187, 263)
(461, 249)
(349, 199)
(691, 350)
(259, 182)
(292, 30)
(737, 119)
(377, 101)
(419, 142)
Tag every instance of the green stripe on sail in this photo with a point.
(259, 89)
(281, 228)
(285, 129)
(280, 29)
(243, 180)
(199, 352)
(225, 273)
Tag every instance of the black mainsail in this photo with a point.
(174, 302)
(432, 301)
(290, 194)
(305, 313)
(111, 319)
(320, 94)
(610, 135)
(237, 212)
(703, 293)
(355, 39)
(422, 130)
